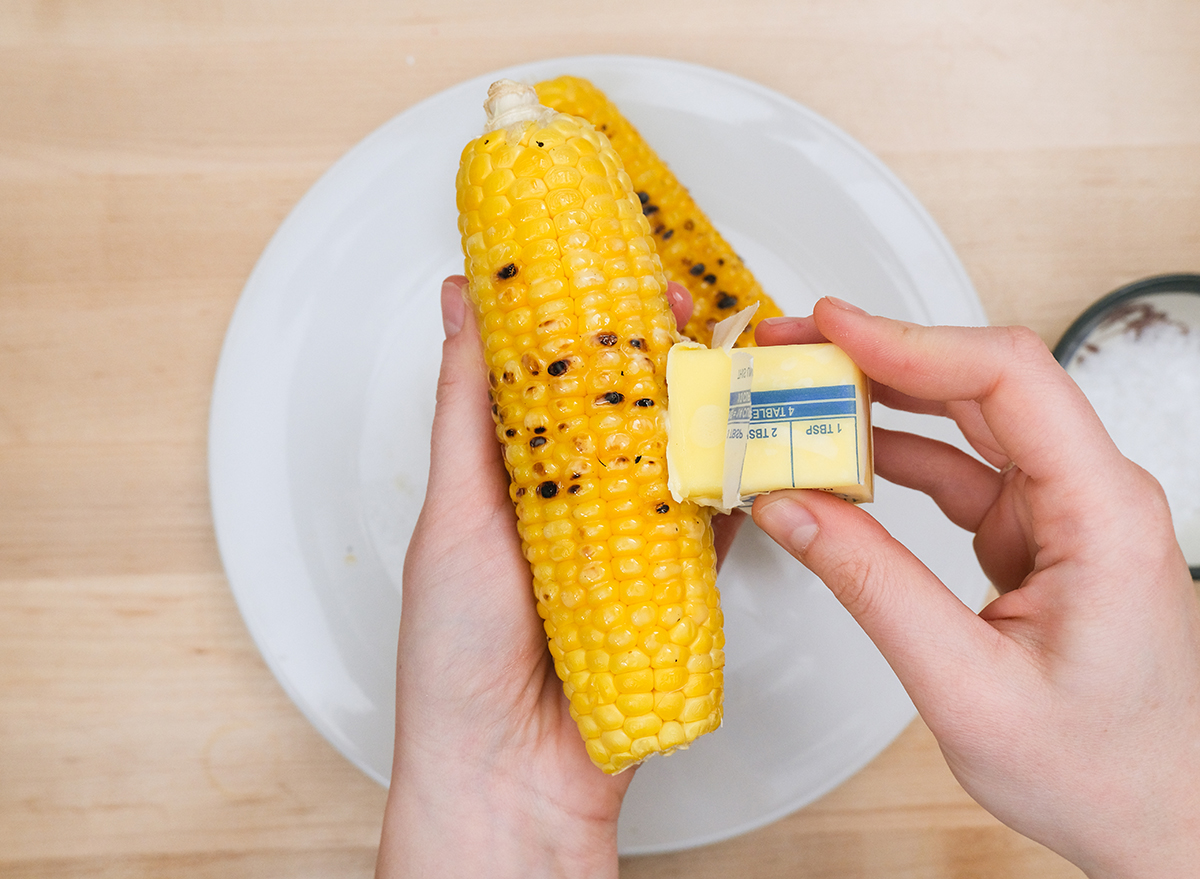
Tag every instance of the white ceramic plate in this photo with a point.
(324, 399)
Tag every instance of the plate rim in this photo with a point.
(251, 294)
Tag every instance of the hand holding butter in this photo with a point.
(747, 421)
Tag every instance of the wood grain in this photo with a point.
(148, 151)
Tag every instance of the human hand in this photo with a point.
(490, 775)
(1070, 706)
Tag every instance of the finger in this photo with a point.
(963, 487)
(465, 457)
(466, 507)
(787, 331)
(681, 303)
(1038, 416)
(924, 631)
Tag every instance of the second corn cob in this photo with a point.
(693, 252)
(570, 296)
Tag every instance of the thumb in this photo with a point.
(923, 630)
(464, 459)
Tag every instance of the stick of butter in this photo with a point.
(751, 420)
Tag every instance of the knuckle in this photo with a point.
(1025, 342)
(855, 580)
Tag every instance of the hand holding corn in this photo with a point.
(486, 752)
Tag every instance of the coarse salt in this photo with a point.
(1144, 384)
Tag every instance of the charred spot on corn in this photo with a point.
(510, 433)
(710, 278)
(537, 442)
(506, 272)
(697, 269)
(663, 508)
(726, 301)
(606, 339)
(643, 402)
(612, 398)
(548, 489)
(557, 368)
(574, 489)
(640, 344)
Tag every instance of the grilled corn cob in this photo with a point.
(693, 252)
(571, 302)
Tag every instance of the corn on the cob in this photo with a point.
(693, 252)
(576, 327)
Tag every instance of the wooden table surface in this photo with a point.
(148, 151)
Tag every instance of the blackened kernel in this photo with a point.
(662, 508)
(539, 430)
(637, 459)
(697, 269)
(644, 402)
(658, 230)
(726, 301)
(667, 235)
(537, 442)
(495, 410)
(548, 489)
(607, 339)
(612, 397)
(576, 475)
(509, 377)
(638, 343)
(507, 271)
(643, 197)
(574, 489)
(649, 209)
(510, 433)
(558, 367)
(710, 278)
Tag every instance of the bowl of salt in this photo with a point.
(1136, 355)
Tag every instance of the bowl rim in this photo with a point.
(1094, 314)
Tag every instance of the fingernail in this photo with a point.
(843, 305)
(780, 321)
(454, 308)
(788, 521)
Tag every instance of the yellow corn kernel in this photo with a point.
(570, 298)
(693, 252)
